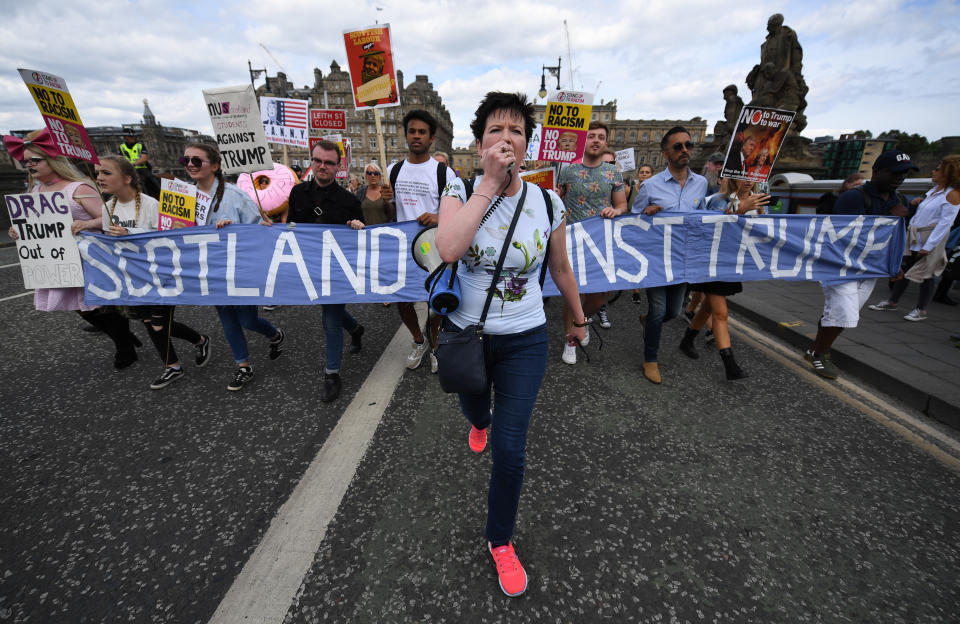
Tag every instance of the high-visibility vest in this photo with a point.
(132, 153)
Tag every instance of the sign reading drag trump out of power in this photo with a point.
(48, 252)
(236, 125)
(250, 264)
(60, 114)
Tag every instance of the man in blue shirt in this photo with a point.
(675, 189)
(842, 300)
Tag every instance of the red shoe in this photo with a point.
(478, 439)
(513, 580)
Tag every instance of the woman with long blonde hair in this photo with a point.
(50, 172)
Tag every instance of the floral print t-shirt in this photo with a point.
(589, 189)
(517, 303)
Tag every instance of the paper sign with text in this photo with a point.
(533, 147)
(59, 113)
(203, 207)
(238, 129)
(565, 125)
(756, 142)
(284, 120)
(372, 71)
(625, 160)
(544, 178)
(178, 204)
(49, 257)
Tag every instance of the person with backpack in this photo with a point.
(843, 300)
(414, 195)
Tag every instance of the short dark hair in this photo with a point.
(508, 102)
(330, 146)
(599, 125)
(672, 131)
(422, 115)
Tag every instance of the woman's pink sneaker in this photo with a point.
(513, 579)
(478, 439)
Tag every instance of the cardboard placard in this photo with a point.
(60, 114)
(48, 252)
(284, 120)
(372, 70)
(565, 126)
(755, 144)
(238, 129)
(178, 204)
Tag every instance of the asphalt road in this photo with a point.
(775, 499)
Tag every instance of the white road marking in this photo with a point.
(271, 578)
(7, 266)
(23, 294)
(929, 439)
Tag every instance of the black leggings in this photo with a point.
(117, 327)
(162, 316)
(927, 286)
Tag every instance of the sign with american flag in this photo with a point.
(285, 121)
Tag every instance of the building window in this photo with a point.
(633, 137)
(620, 137)
(696, 137)
(593, 116)
(646, 137)
(606, 116)
(373, 142)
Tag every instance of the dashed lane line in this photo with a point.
(271, 578)
(943, 447)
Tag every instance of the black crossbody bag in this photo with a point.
(461, 365)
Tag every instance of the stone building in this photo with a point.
(334, 91)
(164, 144)
(643, 135)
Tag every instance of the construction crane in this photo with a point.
(274, 58)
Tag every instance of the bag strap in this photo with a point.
(546, 254)
(395, 173)
(441, 179)
(503, 256)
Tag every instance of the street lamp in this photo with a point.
(543, 77)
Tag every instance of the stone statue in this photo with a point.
(731, 113)
(777, 81)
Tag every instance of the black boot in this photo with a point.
(331, 387)
(355, 339)
(733, 369)
(686, 345)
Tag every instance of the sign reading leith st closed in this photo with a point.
(248, 264)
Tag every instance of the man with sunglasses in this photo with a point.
(675, 189)
(322, 200)
(591, 188)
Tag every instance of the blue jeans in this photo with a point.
(336, 319)
(664, 303)
(237, 318)
(516, 364)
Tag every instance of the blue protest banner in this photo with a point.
(308, 264)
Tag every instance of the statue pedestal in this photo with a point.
(794, 156)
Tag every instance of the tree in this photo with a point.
(865, 133)
(909, 143)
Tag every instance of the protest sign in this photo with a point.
(328, 119)
(178, 204)
(544, 178)
(284, 120)
(372, 71)
(48, 252)
(59, 113)
(625, 160)
(249, 264)
(238, 129)
(533, 147)
(203, 207)
(756, 142)
(565, 126)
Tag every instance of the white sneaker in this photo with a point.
(434, 365)
(604, 319)
(883, 305)
(569, 354)
(416, 356)
(586, 337)
(915, 315)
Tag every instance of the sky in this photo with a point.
(870, 64)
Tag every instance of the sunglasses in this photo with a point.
(373, 173)
(192, 160)
(679, 146)
(33, 160)
(326, 163)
